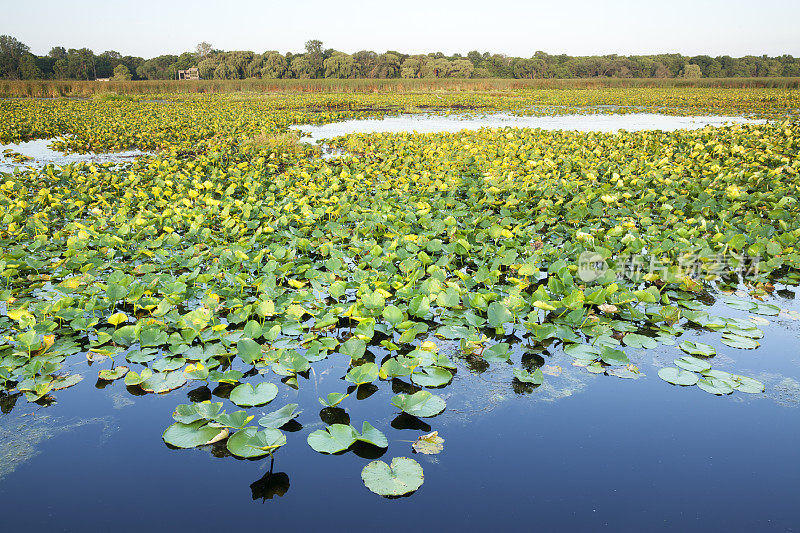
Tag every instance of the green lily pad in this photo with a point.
(715, 386)
(431, 376)
(279, 418)
(737, 341)
(677, 376)
(422, 404)
(333, 439)
(113, 374)
(250, 443)
(192, 435)
(163, 382)
(697, 348)
(333, 399)
(247, 395)
(403, 476)
(748, 385)
(370, 435)
(536, 377)
(635, 340)
(363, 374)
(692, 364)
(497, 353)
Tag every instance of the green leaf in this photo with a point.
(698, 348)
(354, 348)
(429, 444)
(114, 374)
(246, 395)
(363, 374)
(370, 435)
(333, 439)
(422, 404)
(393, 315)
(692, 364)
(403, 476)
(737, 341)
(333, 399)
(279, 418)
(715, 386)
(635, 340)
(499, 314)
(249, 442)
(498, 353)
(431, 376)
(536, 377)
(249, 351)
(192, 435)
(611, 356)
(677, 376)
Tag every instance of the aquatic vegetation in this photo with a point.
(238, 258)
(401, 477)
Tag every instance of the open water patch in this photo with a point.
(38, 154)
(433, 123)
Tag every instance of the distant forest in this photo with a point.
(17, 62)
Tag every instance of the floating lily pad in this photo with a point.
(247, 395)
(403, 476)
(333, 399)
(715, 386)
(279, 418)
(692, 364)
(431, 376)
(250, 443)
(737, 341)
(429, 444)
(333, 439)
(422, 404)
(363, 374)
(192, 435)
(373, 436)
(536, 377)
(678, 376)
(697, 348)
(748, 385)
(163, 382)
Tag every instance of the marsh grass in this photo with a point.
(69, 88)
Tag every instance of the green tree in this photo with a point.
(12, 52)
(692, 71)
(121, 73)
(339, 65)
(275, 66)
(315, 58)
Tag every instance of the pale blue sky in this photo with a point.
(577, 27)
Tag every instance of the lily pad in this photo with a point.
(333, 439)
(678, 376)
(692, 364)
(250, 443)
(431, 376)
(403, 476)
(192, 435)
(247, 395)
(422, 404)
(279, 418)
(429, 444)
(536, 377)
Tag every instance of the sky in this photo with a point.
(149, 28)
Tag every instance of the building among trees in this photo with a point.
(189, 74)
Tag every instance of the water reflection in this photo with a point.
(270, 485)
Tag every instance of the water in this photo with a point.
(430, 123)
(42, 154)
(580, 453)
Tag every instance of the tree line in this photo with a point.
(17, 62)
